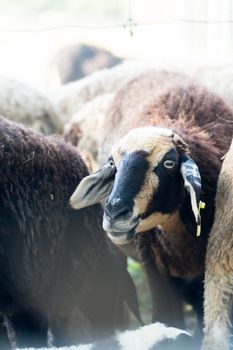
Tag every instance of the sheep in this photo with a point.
(4, 340)
(218, 78)
(74, 62)
(219, 265)
(151, 337)
(163, 139)
(26, 105)
(83, 130)
(57, 266)
(73, 96)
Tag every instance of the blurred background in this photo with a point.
(33, 33)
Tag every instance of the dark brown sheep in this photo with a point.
(57, 267)
(167, 132)
(76, 61)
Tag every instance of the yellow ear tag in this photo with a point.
(201, 206)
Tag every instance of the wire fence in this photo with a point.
(127, 25)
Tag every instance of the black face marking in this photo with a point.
(170, 193)
(129, 178)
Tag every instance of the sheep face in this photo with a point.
(146, 178)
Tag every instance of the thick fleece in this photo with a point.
(174, 101)
(219, 265)
(57, 266)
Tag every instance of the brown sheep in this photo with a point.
(57, 267)
(76, 61)
(154, 175)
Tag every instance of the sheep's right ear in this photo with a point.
(94, 188)
(192, 184)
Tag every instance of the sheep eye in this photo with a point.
(111, 162)
(169, 164)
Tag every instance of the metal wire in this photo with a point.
(129, 22)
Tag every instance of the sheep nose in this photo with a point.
(117, 209)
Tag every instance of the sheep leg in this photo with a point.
(70, 330)
(30, 329)
(59, 329)
(192, 290)
(166, 296)
(167, 300)
(166, 256)
(218, 303)
(4, 339)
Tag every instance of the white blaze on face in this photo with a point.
(156, 142)
(141, 139)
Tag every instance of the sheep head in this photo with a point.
(147, 178)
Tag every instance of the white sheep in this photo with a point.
(83, 130)
(24, 104)
(219, 264)
(218, 78)
(71, 97)
(151, 337)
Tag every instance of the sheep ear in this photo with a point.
(94, 188)
(192, 184)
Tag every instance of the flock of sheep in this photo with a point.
(157, 145)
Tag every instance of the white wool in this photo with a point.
(147, 336)
(91, 114)
(219, 333)
(73, 347)
(142, 138)
(141, 338)
(72, 96)
(150, 131)
(25, 104)
(90, 120)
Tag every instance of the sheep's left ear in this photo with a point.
(192, 184)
